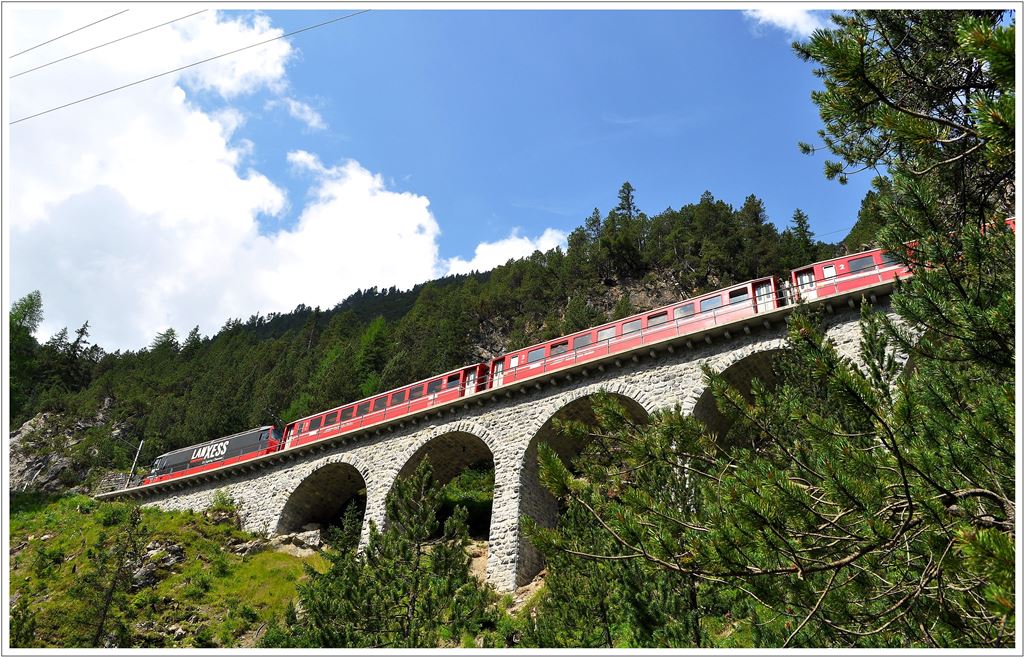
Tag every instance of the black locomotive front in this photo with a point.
(214, 451)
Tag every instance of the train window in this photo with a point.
(416, 392)
(346, 413)
(739, 296)
(314, 424)
(453, 381)
(559, 348)
(513, 362)
(606, 334)
(888, 258)
(629, 327)
(398, 398)
(362, 409)
(860, 264)
(710, 303)
(828, 271)
(581, 341)
(660, 318)
(434, 387)
(263, 435)
(684, 311)
(379, 403)
(535, 355)
(332, 418)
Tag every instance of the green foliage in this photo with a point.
(473, 490)
(404, 590)
(22, 624)
(606, 603)
(222, 502)
(25, 316)
(869, 218)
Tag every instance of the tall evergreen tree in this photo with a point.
(102, 592)
(25, 316)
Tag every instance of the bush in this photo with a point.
(198, 586)
(112, 514)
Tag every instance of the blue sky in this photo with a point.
(386, 149)
(530, 119)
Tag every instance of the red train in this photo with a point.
(836, 277)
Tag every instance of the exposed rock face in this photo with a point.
(40, 453)
(300, 544)
(39, 458)
(157, 556)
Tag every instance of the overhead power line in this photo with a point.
(182, 68)
(66, 33)
(107, 43)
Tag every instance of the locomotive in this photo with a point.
(215, 453)
(834, 277)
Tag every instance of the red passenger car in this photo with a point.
(393, 404)
(845, 274)
(718, 308)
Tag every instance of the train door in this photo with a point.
(470, 381)
(765, 296)
(804, 280)
(499, 371)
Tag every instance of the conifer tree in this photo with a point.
(102, 592)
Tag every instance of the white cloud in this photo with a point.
(489, 255)
(354, 233)
(300, 111)
(139, 210)
(797, 23)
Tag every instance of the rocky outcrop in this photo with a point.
(41, 449)
(157, 559)
(299, 544)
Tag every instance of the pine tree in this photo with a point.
(102, 592)
(25, 316)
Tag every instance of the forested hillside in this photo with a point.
(184, 389)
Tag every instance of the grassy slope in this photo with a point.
(218, 598)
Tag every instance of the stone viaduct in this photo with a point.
(286, 491)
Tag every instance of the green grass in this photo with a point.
(218, 598)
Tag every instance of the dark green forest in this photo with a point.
(866, 505)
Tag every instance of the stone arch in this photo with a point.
(453, 448)
(321, 496)
(534, 499)
(407, 461)
(617, 388)
(739, 368)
